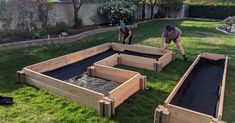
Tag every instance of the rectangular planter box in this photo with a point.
(199, 95)
(50, 75)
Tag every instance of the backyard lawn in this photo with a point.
(33, 105)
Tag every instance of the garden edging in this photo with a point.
(73, 38)
(49, 41)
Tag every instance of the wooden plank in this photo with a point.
(101, 104)
(20, 77)
(143, 82)
(182, 115)
(161, 115)
(92, 96)
(136, 61)
(64, 94)
(107, 109)
(114, 74)
(110, 61)
(112, 104)
(49, 64)
(166, 59)
(141, 49)
(213, 56)
(120, 94)
(179, 84)
(68, 59)
(221, 100)
(77, 56)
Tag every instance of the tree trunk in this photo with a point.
(75, 18)
(143, 10)
(152, 8)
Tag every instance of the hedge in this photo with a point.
(211, 11)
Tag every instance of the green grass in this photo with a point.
(33, 105)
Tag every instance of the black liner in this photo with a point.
(200, 91)
(80, 67)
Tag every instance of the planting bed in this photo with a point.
(199, 95)
(104, 87)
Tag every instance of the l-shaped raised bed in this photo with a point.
(54, 75)
(199, 95)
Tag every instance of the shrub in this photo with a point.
(6, 33)
(34, 33)
(114, 11)
(61, 27)
(211, 11)
(78, 21)
(57, 29)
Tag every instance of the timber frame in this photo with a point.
(131, 82)
(170, 113)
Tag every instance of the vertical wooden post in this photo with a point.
(107, 109)
(161, 115)
(91, 71)
(173, 56)
(20, 77)
(101, 103)
(158, 66)
(112, 104)
(143, 82)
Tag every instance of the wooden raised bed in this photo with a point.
(199, 95)
(51, 75)
(164, 56)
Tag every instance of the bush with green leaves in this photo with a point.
(114, 11)
(34, 33)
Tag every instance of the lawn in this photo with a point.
(33, 105)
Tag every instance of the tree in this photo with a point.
(152, 6)
(43, 11)
(143, 9)
(168, 4)
(77, 5)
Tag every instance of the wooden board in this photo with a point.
(182, 115)
(213, 56)
(138, 62)
(179, 84)
(141, 49)
(114, 74)
(124, 91)
(166, 58)
(68, 59)
(82, 93)
(64, 94)
(221, 99)
(109, 61)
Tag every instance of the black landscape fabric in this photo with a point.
(200, 91)
(80, 67)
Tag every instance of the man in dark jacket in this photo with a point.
(125, 35)
(172, 33)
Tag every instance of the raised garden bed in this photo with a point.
(55, 75)
(199, 95)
